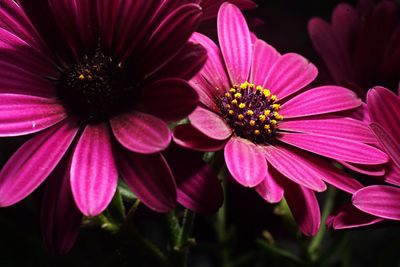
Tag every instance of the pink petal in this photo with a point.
(33, 162)
(351, 217)
(23, 114)
(207, 93)
(341, 127)
(290, 73)
(392, 174)
(214, 70)
(150, 178)
(371, 170)
(379, 200)
(140, 132)
(270, 188)
(389, 144)
(94, 175)
(245, 162)
(336, 148)
(198, 186)
(187, 136)
(320, 100)
(170, 99)
(235, 42)
(304, 206)
(60, 218)
(384, 108)
(345, 21)
(210, 124)
(294, 167)
(264, 57)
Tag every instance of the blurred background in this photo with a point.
(255, 233)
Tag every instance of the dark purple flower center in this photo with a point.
(95, 88)
(252, 112)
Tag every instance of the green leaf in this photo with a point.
(125, 192)
(280, 252)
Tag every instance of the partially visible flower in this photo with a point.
(271, 131)
(95, 82)
(361, 46)
(375, 203)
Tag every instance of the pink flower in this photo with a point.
(375, 203)
(270, 130)
(95, 83)
(361, 46)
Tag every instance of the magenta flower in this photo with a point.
(361, 46)
(375, 203)
(96, 82)
(270, 131)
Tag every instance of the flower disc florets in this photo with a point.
(95, 88)
(252, 112)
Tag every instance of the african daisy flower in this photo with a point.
(375, 203)
(361, 46)
(270, 131)
(95, 82)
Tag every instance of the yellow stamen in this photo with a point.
(249, 112)
(240, 117)
(276, 107)
(81, 77)
(234, 102)
(227, 95)
(257, 132)
(238, 95)
(266, 92)
(232, 90)
(262, 117)
(242, 105)
(274, 98)
(228, 106)
(267, 112)
(251, 85)
(259, 88)
(267, 127)
(231, 112)
(273, 122)
(252, 123)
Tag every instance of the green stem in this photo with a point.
(315, 245)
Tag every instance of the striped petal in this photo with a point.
(210, 124)
(390, 145)
(271, 188)
(264, 57)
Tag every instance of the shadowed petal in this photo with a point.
(271, 188)
(351, 217)
(150, 178)
(290, 73)
(235, 42)
(304, 207)
(210, 124)
(60, 218)
(336, 148)
(245, 162)
(372, 170)
(23, 114)
(198, 186)
(390, 145)
(140, 132)
(294, 167)
(346, 128)
(33, 162)
(169, 99)
(320, 100)
(264, 57)
(379, 200)
(207, 93)
(94, 175)
(187, 136)
(214, 71)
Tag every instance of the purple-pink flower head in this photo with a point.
(95, 82)
(361, 46)
(253, 107)
(375, 203)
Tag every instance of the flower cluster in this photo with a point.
(98, 85)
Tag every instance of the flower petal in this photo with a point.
(210, 124)
(271, 188)
(187, 136)
(33, 162)
(290, 73)
(264, 57)
(351, 217)
(150, 178)
(170, 99)
(198, 186)
(140, 132)
(60, 218)
(379, 200)
(336, 148)
(294, 167)
(23, 114)
(235, 42)
(304, 207)
(389, 144)
(94, 175)
(320, 100)
(371, 170)
(214, 70)
(245, 162)
(341, 127)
